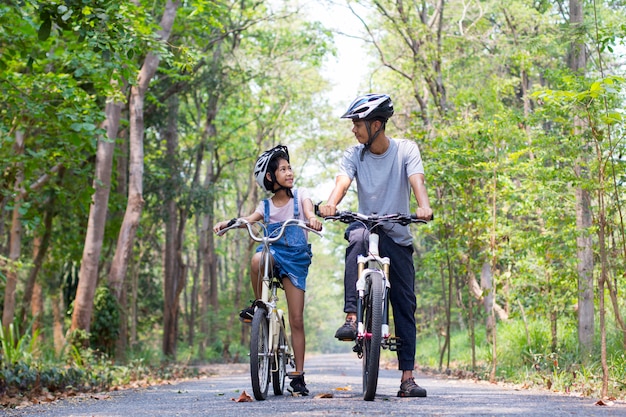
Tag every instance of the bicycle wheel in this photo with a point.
(279, 364)
(373, 325)
(260, 354)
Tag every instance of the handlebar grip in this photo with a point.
(316, 209)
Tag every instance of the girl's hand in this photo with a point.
(219, 226)
(315, 224)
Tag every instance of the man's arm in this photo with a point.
(342, 183)
(423, 211)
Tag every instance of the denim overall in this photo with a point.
(291, 253)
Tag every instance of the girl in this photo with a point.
(292, 254)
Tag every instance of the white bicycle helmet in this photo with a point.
(370, 106)
(260, 168)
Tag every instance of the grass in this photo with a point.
(532, 365)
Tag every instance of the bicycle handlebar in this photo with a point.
(374, 219)
(237, 223)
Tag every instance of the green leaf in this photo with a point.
(44, 29)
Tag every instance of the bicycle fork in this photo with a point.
(363, 287)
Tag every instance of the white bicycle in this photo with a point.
(373, 297)
(270, 346)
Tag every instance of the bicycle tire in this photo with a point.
(260, 354)
(372, 344)
(279, 363)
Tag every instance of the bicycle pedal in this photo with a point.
(393, 343)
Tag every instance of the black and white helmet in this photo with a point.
(260, 168)
(369, 107)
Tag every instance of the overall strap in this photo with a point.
(296, 212)
(266, 215)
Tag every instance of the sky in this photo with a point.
(348, 69)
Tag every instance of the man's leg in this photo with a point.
(402, 298)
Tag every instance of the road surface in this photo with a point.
(337, 377)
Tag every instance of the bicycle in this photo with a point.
(270, 348)
(373, 297)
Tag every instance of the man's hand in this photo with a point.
(327, 210)
(424, 213)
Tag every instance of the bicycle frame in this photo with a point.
(270, 348)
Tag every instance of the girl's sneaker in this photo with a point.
(298, 387)
(247, 314)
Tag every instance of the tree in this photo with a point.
(577, 63)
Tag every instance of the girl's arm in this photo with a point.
(253, 218)
(309, 213)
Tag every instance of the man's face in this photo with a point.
(359, 129)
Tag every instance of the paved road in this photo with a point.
(338, 375)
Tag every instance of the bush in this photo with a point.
(105, 322)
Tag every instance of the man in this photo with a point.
(386, 170)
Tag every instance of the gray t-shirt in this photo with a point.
(383, 181)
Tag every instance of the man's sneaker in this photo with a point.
(247, 314)
(347, 332)
(298, 387)
(409, 388)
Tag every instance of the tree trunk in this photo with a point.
(209, 290)
(36, 311)
(174, 269)
(40, 248)
(88, 274)
(486, 283)
(15, 242)
(577, 62)
(57, 322)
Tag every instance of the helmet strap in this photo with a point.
(371, 138)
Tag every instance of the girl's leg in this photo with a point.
(295, 304)
(256, 274)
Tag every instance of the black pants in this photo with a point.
(401, 278)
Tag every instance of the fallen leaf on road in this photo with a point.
(604, 402)
(325, 395)
(243, 398)
(348, 388)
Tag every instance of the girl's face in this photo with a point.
(284, 174)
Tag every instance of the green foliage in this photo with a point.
(15, 348)
(105, 322)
